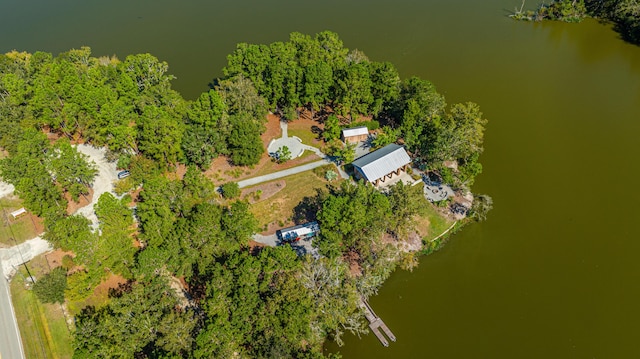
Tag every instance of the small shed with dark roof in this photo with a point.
(355, 135)
(383, 164)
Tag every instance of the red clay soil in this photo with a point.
(38, 222)
(112, 282)
(82, 201)
(135, 194)
(54, 259)
(178, 174)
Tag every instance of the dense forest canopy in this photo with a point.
(268, 304)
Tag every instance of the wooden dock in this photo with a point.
(376, 324)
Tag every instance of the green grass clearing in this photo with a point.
(43, 328)
(279, 207)
(437, 223)
(307, 137)
(21, 229)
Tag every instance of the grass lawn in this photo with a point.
(278, 209)
(437, 223)
(306, 136)
(21, 229)
(43, 328)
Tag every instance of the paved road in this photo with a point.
(10, 258)
(10, 344)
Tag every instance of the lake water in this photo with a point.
(553, 272)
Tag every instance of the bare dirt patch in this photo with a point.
(263, 191)
(179, 172)
(422, 226)
(100, 294)
(83, 200)
(54, 259)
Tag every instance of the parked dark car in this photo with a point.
(123, 174)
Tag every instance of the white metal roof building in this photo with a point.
(355, 134)
(379, 165)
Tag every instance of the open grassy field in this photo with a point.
(438, 223)
(21, 229)
(43, 328)
(277, 210)
(307, 137)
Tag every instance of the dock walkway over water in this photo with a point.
(376, 324)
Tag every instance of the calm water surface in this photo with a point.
(554, 272)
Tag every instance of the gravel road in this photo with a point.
(103, 182)
(10, 258)
(6, 189)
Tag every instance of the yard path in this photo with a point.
(6, 189)
(284, 173)
(297, 147)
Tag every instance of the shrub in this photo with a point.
(230, 190)
(283, 154)
(51, 287)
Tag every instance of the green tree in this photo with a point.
(406, 202)
(331, 128)
(115, 249)
(141, 319)
(458, 136)
(351, 218)
(230, 190)
(72, 169)
(240, 96)
(482, 204)
(159, 136)
(245, 143)
(353, 86)
(283, 154)
(387, 136)
(50, 288)
(28, 170)
(419, 107)
(206, 130)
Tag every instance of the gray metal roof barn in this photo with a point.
(381, 164)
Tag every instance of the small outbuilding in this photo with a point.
(296, 233)
(355, 135)
(18, 213)
(380, 165)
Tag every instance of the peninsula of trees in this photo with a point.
(625, 14)
(240, 301)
